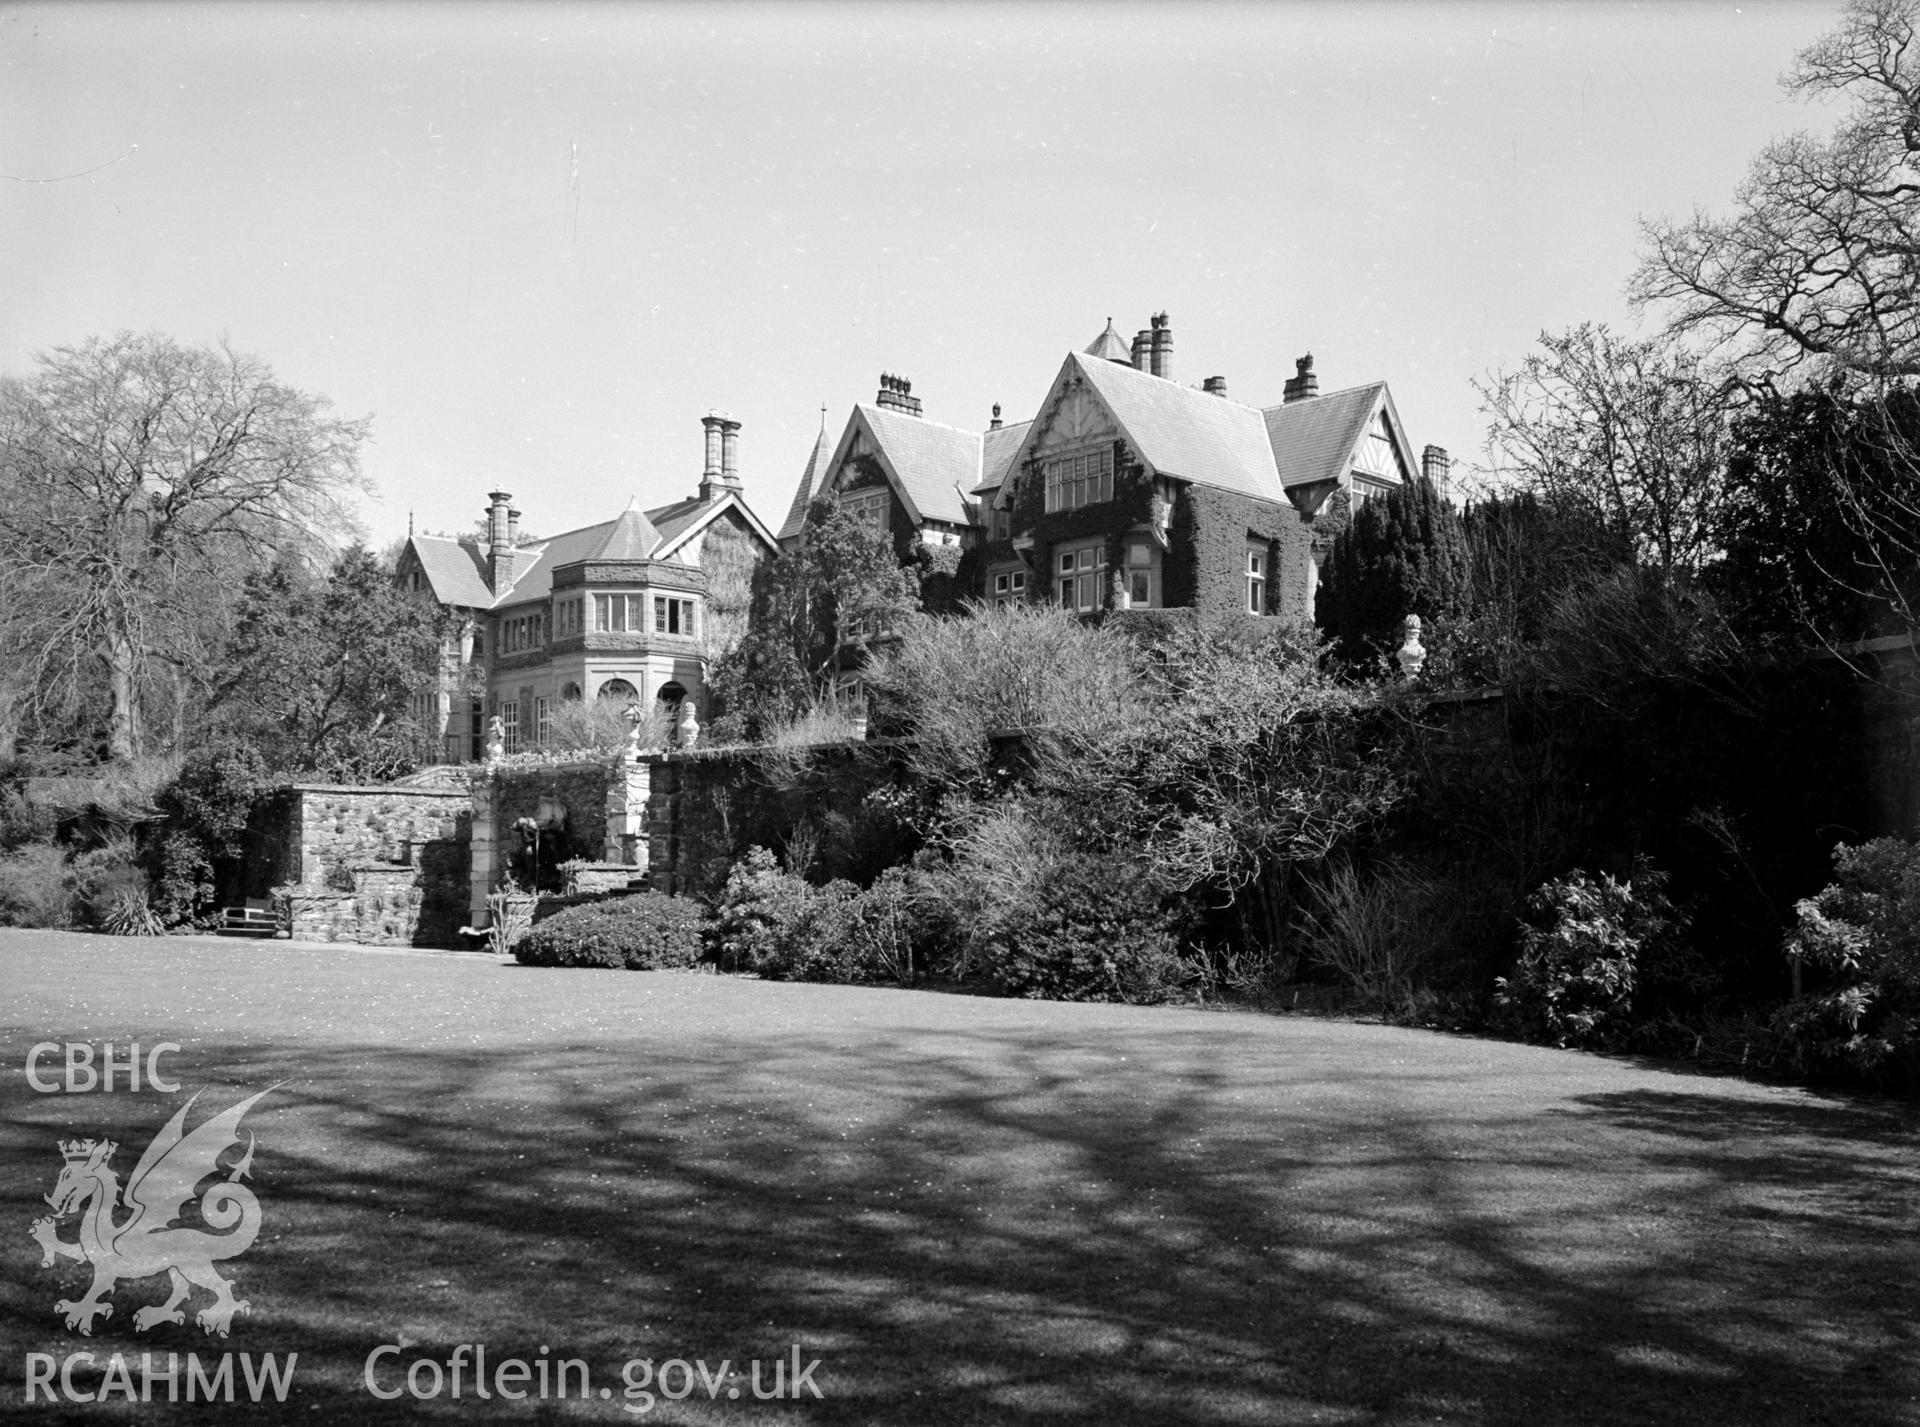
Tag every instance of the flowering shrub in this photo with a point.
(1861, 936)
(1578, 969)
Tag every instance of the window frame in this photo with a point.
(1083, 569)
(669, 610)
(1071, 483)
(1258, 575)
(868, 506)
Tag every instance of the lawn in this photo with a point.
(967, 1210)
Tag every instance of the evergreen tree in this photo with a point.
(1403, 553)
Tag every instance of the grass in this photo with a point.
(975, 1211)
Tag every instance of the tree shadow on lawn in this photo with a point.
(976, 1227)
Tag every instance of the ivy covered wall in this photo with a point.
(1207, 566)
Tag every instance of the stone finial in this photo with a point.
(1122, 596)
(496, 739)
(689, 726)
(1411, 654)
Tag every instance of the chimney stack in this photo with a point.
(1215, 386)
(996, 417)
(1435, 465)
(896, 394)
(730, 454)
(499, 541)
(1162, 331)
(713, 422)
(1303, 383)
(1142, 350)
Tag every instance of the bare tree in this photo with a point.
(1819, 261)
(139, 481)
(1634, 432)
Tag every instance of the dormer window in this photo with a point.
(1074, 481)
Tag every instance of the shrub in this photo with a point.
(1378, 933)
(200, 839)
(107, 880)
(129, 915)
(773, 923)
(1862, 936)
(643, 931)
(756, 913)
(1575, 979)
(36, 887)
(1094, 931)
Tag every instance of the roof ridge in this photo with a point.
(923, 421)
(1325, 395)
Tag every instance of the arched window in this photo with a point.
(619, 689)
(570, 693)
(671, 693)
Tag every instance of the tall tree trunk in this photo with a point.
(123, 713)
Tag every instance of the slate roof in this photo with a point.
(810, 478)
(535, 582)
(997, 450)
(456, 573)
(1192, 435)
(671, 521)
(1110, 346)
(1313, 439)
(934, 463)
(631, 536)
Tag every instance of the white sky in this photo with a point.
(774, 204)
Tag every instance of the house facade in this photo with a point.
(633, 609)
(1127, 489)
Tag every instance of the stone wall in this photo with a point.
(604, 806)
(383, 866)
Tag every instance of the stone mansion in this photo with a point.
(1125, 490)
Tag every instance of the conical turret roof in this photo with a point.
(631, 537)
(1111, 346)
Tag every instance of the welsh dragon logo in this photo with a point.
(147, 1241)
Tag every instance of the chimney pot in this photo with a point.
(996, 417)
(896, 394)
(1162, 349)
(1215, 386)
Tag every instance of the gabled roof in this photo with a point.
(810, 478)
(998, 447)
(1181, 432)
(681, 521)
(456, 573)
(1314, 439)
(930, 465)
